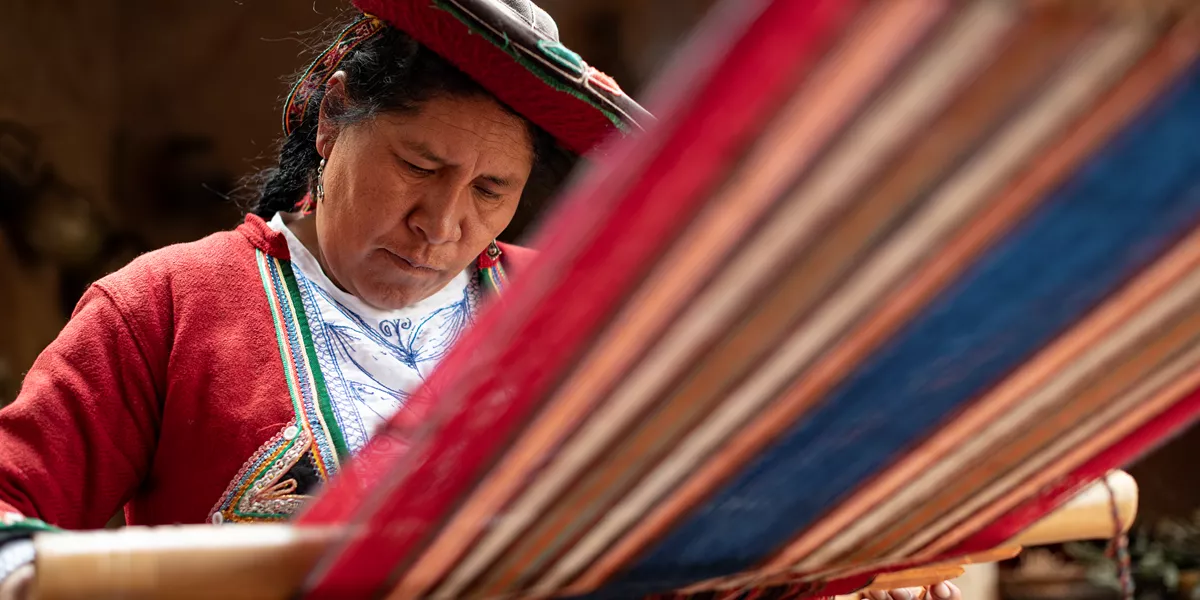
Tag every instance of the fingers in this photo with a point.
(941, 591)
(915, 593)
(945, 591)
(18, 585)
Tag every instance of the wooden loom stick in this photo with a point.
(1091, 506)
(267, 561)
(916, 578)
(270, 561)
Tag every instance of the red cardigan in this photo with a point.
(161, 393)
(165, 381)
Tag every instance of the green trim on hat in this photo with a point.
(530, 65)
(563, 55)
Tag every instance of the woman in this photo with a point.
(224, 379)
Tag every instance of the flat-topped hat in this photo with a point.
(511, 48)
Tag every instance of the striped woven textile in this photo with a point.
(888, 282)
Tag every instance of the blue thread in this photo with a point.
(1113, 217)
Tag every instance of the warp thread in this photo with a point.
(1118, 548)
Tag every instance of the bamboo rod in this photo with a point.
(1087, 516)
(267, 561)
(270, 561)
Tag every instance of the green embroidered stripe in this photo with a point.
(23, 525)
(323, 402)
(489, 284)
(284, 344)
(532, 66)
(280, 336)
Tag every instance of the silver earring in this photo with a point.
(321, 181)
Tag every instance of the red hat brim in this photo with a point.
(536, 76)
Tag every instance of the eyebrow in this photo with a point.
(498, 181)
(425, 152)
(428, 154)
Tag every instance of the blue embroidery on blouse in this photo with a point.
(369, 352)
(427, 342)
(345, 409)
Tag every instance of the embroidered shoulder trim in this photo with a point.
(306, 383)
(260, 492)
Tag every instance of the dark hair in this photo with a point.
(390, 72)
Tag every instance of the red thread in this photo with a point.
(1118, 548)
(604, 82)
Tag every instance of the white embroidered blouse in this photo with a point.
(372, 359)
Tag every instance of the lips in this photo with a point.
(407, 264)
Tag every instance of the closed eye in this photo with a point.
(418, 170)
(486, 193)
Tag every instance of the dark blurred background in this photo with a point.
(126, 124)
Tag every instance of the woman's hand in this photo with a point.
(18, 585)
(941, 591)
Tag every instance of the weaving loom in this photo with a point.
(889, 282)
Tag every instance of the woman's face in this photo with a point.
(412, 199)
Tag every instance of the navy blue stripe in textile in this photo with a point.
(1127, 206)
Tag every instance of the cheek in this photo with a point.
(360, 210)
(345, 229)
(489, 222)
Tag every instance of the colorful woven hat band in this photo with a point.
(325, 65)
(509, 47)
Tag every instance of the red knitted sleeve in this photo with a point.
(80, 436)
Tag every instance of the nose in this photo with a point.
(438, 218)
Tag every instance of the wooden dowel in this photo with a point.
(915, 578)
(1087, 516)
(265, 561)
(271, 561)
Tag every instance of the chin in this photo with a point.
(393, 295)
(384, 287)
(390, 300)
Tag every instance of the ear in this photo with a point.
(327, 129)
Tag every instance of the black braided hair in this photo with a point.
(390, 72)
